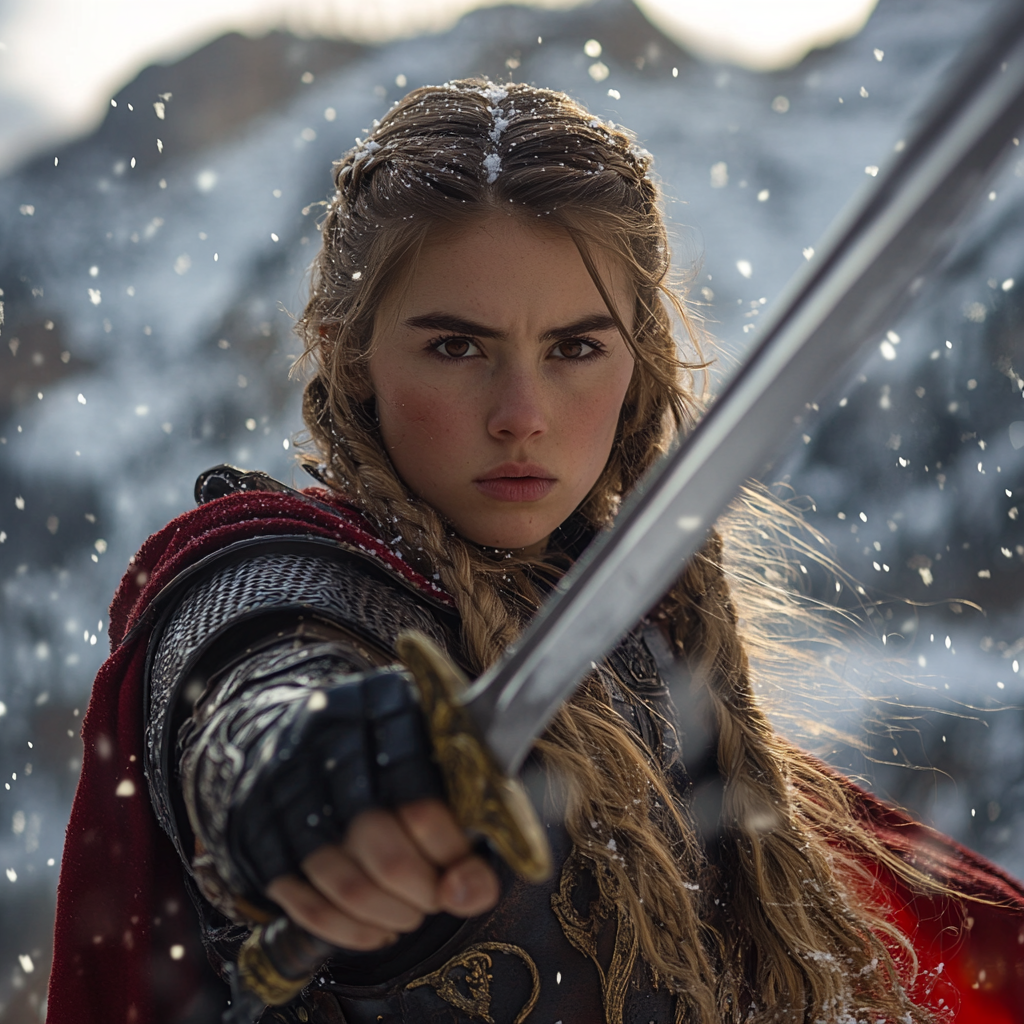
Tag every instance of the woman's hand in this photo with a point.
(392, 870)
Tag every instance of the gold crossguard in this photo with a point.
(481, 797)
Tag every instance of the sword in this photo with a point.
(872, 262)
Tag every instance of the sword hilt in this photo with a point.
(274, 965)
(278, 959)
(481, 797)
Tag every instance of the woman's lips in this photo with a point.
(516, 488)
(516, 483)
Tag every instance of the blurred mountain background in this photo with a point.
(150, 270)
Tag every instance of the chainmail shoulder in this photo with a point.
(223, 615)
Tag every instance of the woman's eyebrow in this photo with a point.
(585, 325)
(459, 325)
(454, 324)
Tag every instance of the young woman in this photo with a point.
(493, 368)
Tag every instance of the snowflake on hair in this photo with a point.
(500, 120)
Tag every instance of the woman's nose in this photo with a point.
(517, 410)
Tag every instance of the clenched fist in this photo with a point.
(392, 869)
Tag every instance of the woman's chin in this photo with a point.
(530, 539)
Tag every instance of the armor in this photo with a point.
(272, 653)
(248, 600)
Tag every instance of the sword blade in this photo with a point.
(871, 265)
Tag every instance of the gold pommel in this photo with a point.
(259, 975)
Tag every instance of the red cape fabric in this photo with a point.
(126, 947)
(970, 953)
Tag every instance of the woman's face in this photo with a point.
(499, 375)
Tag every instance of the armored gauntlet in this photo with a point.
(280, 758)
(271, 721)
(348, 746)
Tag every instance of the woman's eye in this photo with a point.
(456, 348)
(575, 349)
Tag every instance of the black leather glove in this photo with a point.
(351, 745)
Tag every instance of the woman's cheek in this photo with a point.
(423, 432)
(591, 428)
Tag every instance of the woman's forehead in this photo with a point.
(505, 265)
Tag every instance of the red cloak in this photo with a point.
(126, 945)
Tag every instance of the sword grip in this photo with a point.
(278, 959)
(481, 797)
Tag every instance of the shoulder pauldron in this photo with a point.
(255, 593)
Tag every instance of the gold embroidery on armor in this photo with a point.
(475, 997)
(583, 934)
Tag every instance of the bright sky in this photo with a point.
(758, 34)
(61, 60)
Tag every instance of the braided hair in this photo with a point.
(765, 920)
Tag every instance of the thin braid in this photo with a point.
(764, 843)
(610, 824)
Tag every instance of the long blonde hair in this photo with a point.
(771, 919)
